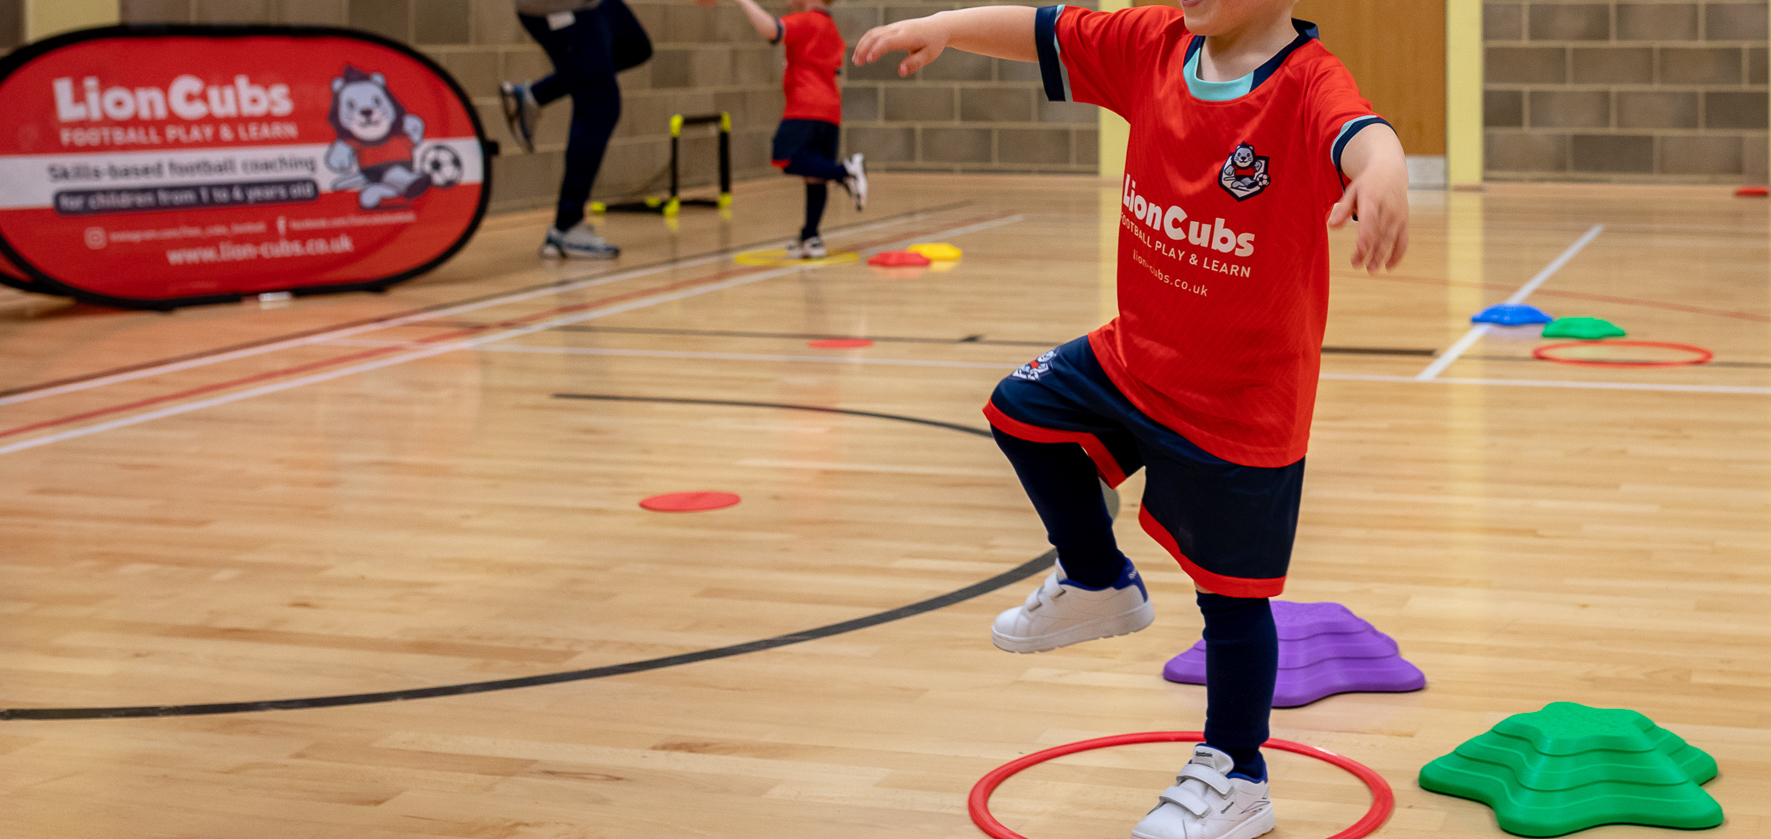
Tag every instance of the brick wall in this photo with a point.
(964, 113)
(706, 60)
(1643, 91)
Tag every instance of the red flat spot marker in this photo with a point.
(1753, 191)
(899, 259)
(840, 343)
(689, 502)
(1383, 800)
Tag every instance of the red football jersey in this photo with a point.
(1223, 242)
(814, 55)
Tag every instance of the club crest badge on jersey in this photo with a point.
(1245, 174)
(1032, 370)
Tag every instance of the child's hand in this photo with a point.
(1378, 195)
(923, 38)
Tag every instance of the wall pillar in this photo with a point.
(1463, 92)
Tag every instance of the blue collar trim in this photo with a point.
(1236, 88)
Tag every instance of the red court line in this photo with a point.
(432, 339)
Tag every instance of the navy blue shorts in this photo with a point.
(1230, 527)
(798, 136)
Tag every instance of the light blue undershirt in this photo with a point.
(1215, 91)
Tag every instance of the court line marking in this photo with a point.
(1013, 575)
(403, 320)
(977, 340)
(917, 362)
(1580, 295)
(1651, 386)
(731, 356)
(750, 276)
(1476, 332)
(913, 362)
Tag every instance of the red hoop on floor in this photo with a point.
(978, 805)
(1546, 353)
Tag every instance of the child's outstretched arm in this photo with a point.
(1378, 194)
(996, 31)
(765, 24)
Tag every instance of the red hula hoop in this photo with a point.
(1383, 800)
(1700, 355)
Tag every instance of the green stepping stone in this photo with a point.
(1569, 767)
(1582, 329)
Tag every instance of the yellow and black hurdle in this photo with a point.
(670, 205)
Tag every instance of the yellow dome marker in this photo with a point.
(937, 251)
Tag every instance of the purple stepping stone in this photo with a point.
(1324, 649)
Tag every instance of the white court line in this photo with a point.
(514, 297)
(1669, 388)
(1476, 332)
(439, 349)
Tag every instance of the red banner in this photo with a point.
(165, 166)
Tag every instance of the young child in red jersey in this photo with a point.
(806, 142)
(1246, 134)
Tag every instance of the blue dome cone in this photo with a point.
(1511, 314)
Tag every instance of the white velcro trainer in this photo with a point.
(1205, 803)
(1060, 613)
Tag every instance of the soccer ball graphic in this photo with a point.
(442, 164)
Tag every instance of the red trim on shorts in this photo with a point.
(1216, 583)
(779, 164)
(1109, 469)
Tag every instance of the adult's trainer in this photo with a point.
(588, 41)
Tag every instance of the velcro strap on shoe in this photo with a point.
(1186, 799)
(1206, 775)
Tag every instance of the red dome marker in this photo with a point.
(899, 259)
(839, 343)
(690, 502)
(1753, 191)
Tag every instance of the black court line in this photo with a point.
(1379, 351)
(606, 397)
(1013, 575)
(291, 336)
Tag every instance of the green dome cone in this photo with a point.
(1582, 329)
(1569, 767)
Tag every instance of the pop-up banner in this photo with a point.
(169, 165)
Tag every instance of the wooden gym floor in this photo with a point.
(320, 520)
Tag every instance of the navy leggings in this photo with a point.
(1241, 644)
(584, 69)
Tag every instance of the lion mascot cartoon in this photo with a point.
(376, 140)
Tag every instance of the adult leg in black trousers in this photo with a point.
(584, 70)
